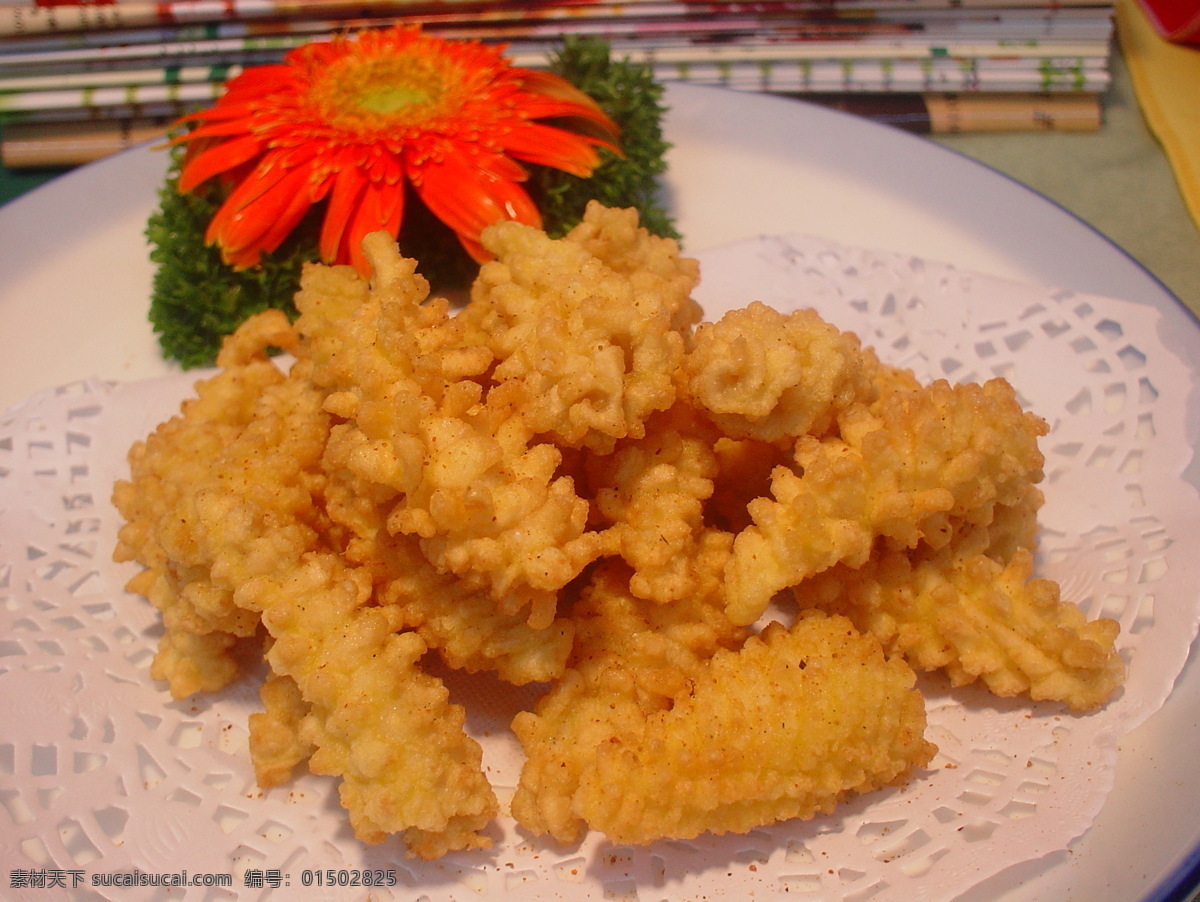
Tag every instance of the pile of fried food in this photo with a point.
(721, 549)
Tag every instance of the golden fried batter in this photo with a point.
(570, 483)
(770, 376)
(201, 620)
(650, 496)
(661, 279)
(275, 744)
(902, 470)
(964, 612)
(378, 722)
(783, 727)
(590, 349)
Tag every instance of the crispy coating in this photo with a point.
(378, 722)
(890, 380)
(783, 727)
(570, 483)
(661, 279)
(190, 663)
(761, 374)
(386, 338)
(962, 611)
(903, 470)
(276, 746)
(465, 628)
(201, 621)
(631, 657)
(485, 500)
(650, 497)
(590, 346)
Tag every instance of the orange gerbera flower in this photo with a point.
(352, 121)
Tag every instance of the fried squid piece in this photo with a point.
(386, 334)
(462, 625)
(650, 496)
(905, 469)
(577, 716)
(276, 746)
(378, 722)
(761, 374)
(493, 510)
(167, 472)
(590, 350)
(962, 611)
(784, 727)
(631, 658)
(662, 645)
(660, 277)
(422, 419)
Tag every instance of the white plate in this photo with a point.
(74, 282)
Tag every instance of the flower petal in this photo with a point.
(216, 159)
(555, 97)
(468, 200)
(241, 228)
(549, 146)
(223, 109)
(286, 220)
(499, 166)
(221, 128)
(260, 79)
(274, 165)
(256, 183)
(348, 187)
(380, 208)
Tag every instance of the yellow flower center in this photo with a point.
(383, 91)
(390, 99)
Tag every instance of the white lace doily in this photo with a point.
(102, 774)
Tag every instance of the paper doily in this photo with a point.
(103, 777)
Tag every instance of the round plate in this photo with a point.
(75, 282)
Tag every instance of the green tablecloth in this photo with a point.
(14, 183)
